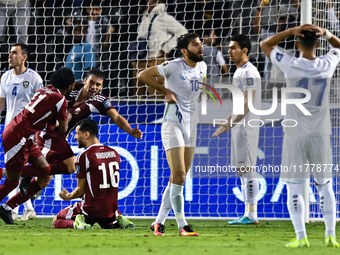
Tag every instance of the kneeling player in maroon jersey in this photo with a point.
(86, 99)
(98, 179)
(46, 108)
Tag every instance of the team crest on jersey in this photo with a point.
(279, 56)
(77, 169)
(77, 111)
(201, 75)
(25, 84)
(183, 76)
(107, 103)
(250, 81)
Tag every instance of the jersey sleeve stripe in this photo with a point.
(60, 104)
(43, 117)
(88, 179)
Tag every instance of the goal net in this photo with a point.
(144, 171)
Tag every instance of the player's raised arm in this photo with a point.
(149, 76)
(79, 191)
(225, 127)
(123, 124)
(332, 39)
(269, 44)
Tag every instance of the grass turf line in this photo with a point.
(269, 237)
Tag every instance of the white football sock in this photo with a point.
(251, 188)
(177, 203)
(12, 194)
(328, 204)
(165, 206)
(296, 208)
(28, 205)
(243, 190)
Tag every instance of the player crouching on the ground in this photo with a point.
(98, 179)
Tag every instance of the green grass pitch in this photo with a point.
(216, 237)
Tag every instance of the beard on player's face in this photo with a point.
(196, 57)
(80, 142)
(81, 145)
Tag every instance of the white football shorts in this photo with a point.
(302, 155)
(172, 136)
(243, 149)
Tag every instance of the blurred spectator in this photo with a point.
(265, 23)
(213, 57)
(81, 57)
(19, 11)
(289, 16)
(62, 42)
(271, 19)
(103, 33)
(99, 33)
(331, 17)
(216, 12)
(164, 32)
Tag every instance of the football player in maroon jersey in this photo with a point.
(98, 180)
(46, 108)
(85, 100)
(82, 102)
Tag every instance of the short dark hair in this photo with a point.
(243, 41)
(62, 78)
(96, 72)
(184, 40)
(24, 49)
(88, 125)
(309, 40)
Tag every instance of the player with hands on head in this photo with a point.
(244, 138)
(309, 141)
(179, 127)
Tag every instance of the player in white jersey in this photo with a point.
(182, 94)
(18, 86)
(309, 141)
(245, 137)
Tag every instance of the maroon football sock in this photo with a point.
(29, 170)
(58, 167)
(7, 187)
(18, 199)
(61, 223)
